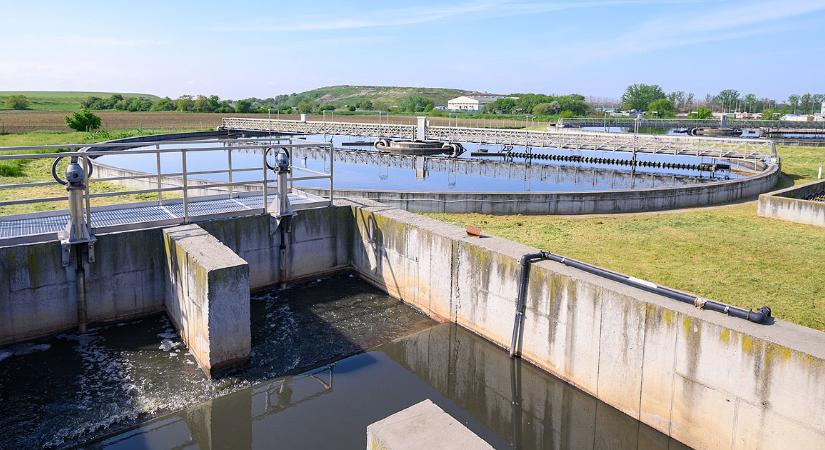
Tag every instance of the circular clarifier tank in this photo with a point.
(360, 169)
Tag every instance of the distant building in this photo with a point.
(471, 103)
(822, 109)
(440, 108)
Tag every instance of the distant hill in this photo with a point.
(386, 95)
(62, 100)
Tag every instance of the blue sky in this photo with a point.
(241, 48)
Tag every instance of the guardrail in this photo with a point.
(687, 123)
(244, 197)
(566, 139)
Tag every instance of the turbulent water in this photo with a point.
(73, 387)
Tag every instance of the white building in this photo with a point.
(474, 103)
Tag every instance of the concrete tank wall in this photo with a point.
(787, 204)
(587, 202)
(38, 296)
(707, 380)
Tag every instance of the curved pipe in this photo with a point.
(760, 316)
(524, 279)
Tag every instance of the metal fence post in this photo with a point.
(160, 184)
(263, 152)
(229, 162)
(331, 171)
(185, 187)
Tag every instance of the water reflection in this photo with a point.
(358, 167)
(508, 403)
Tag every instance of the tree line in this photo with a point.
(540, 105)
(652, 99)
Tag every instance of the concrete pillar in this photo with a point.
(207, 297)
(421, 128)
(422, 426)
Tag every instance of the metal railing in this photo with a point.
(566, 139)
(191, 185)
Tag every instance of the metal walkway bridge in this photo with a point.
(562, 139)
(188, 198)
(788, 126)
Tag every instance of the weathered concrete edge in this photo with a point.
(585, 202)
(785, 204)
(798, 337)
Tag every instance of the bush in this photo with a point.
(17, 102)
(662, 107)
(83, 120)
(702, 113)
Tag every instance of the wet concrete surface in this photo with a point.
(508, 403)
(74, 387)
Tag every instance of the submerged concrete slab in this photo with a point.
(422, 426)
(208, 297)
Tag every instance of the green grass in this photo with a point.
(724, 253)
(60, 100)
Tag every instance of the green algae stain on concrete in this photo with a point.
(724, 336)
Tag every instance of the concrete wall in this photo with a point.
(38, 296)
(786, 204)
(590, 202)
(207, 297)
(707, 380)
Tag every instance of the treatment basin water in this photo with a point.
(74, 387)
(360, 167)
(506, 402)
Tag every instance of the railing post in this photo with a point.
(185, 186)
(159, 183)
(229, 161)
(87, 165)
(266, 207)
(331, 170)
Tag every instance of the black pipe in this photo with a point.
(761, 316)
(522, 296)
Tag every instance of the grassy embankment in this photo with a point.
(30, 170)
(725, 253)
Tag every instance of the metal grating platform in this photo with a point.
(42, 227)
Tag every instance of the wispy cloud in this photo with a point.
(716, 25)
(400, 17)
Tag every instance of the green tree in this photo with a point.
(544, 109)
(243, 106)
(83, 120)
(770, 114)
(639, 96)
(365, 105)
(727, 100)
(184, 103)
(164, 104)
(417, 103)
(662, 107)
(200, 104)
(702, 113)
(17, 102)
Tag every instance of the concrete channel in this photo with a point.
(703, 378)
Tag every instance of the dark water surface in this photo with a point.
(74, 387)
(508, 403)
